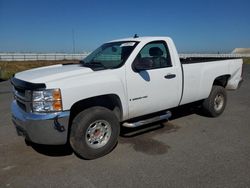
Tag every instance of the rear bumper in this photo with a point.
(240, 83)
(41, 128)
(234, 84)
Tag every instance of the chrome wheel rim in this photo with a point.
(98, 134)
(218, 102)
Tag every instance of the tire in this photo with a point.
(215, 104)
(94, 132)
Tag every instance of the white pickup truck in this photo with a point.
(127, 82)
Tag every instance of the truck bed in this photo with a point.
(200, 73)
(190, 60)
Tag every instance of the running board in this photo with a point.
(147, 121)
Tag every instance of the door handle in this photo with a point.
(170, 76)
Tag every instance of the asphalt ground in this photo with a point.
(189, 151)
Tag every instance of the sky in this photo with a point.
(51, 25)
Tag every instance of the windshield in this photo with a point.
(110, 55)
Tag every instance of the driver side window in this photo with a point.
(154, 55)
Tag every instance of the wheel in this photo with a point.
(94, 132)
(215, 104)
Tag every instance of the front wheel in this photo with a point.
(94, 132)
(215, 104)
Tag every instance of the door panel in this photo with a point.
(156, 87)
(149, 91)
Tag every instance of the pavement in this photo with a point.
(189, 151)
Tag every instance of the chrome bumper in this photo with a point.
(49, 128)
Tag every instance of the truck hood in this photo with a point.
(52, 73)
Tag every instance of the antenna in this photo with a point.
(136, 36)
(73, 41)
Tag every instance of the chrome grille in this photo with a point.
(21, 105)
(23, 98)
(23, 92)
(20, 91)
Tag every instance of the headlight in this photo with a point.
(48, 100)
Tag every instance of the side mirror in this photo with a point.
(142, 65)
(139, 68)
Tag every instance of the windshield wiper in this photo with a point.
(82, 62)
(94, 65)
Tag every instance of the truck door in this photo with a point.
(153, 83)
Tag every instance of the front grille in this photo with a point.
(23, 98)
(23, 92)
(20, 91)
(21, 105)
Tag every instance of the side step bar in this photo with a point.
(147, 121)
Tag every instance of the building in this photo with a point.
(241, 51)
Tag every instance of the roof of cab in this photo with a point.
(140, 39)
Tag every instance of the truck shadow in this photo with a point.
(53, 151)
(178, 112)
(144, 139)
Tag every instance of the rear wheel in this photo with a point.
(94, 132)
(215, 104)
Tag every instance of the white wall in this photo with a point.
(65, 56)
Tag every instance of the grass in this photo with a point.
(8, 68)
(247, 60)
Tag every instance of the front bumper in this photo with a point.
(41, 128)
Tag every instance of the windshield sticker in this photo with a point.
(128, 44)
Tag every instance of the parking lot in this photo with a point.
(188, 151)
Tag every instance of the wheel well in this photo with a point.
(221, 80)
(110, 101)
